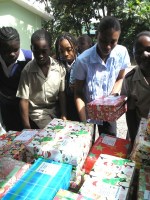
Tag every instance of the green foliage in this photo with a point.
(135, 17)
(72, 15)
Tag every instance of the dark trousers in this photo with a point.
(108, 128)
(11, 113)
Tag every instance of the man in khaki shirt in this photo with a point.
(136, 85)
(42, 85)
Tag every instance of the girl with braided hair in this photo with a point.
(66, 53)
(12, 61)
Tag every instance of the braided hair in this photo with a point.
(41, 34)
(71, 39)
(8, 33)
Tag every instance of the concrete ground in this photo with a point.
(121, 127)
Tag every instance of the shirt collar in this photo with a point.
(94, 58)
(7, 69)
(35, 67)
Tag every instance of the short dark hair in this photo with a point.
(8, 33)
(109, 22)
(71, 39)
(143, 33)
(86, 38)
(41, 34)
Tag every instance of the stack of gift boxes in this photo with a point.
(66, 165)
(141, 156)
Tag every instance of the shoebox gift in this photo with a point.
(42, 181)
(144, 184)
(77, 178)
(12, 144)
(10, 172)
(106, 144)
(107, 108)
(7, 139)
(65, 194)
(141, 148)
(110, 178)
(63, 141)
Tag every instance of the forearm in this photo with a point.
(24, 110)
(80, 108)
(117, 86)
(62, 103)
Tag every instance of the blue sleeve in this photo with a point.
(27, 54)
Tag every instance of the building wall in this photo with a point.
(11, 14)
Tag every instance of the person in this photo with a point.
(66, 53)
(100, 70)
(12, 61)
(136, 85)
(84, 42)
(42, 84)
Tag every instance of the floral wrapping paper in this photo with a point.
(144, 184)
(141, 149)
(42, 181)
(110, 178)
(65, 194)
(10, 172)
(10, 147)
(148, 124)
(106, 144)
(63, 141)
(108, 108)
(6, 140)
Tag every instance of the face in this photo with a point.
(83, 45)
(66, 51)
(107, 41)
(10, 51)
(142, 53)
(41, 51)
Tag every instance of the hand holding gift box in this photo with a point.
(107, 108)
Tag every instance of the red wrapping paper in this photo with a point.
(108, 108)
(106, 144)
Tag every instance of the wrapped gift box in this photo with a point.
(141, 149)
(10, 172)
(12, 144)
(108, 108)
(144, 184)
(63, 141)
(6, 139)
(42, 181)
(26, 135)
(10, 148)
(110, 178)
(106, 144)
(65, 194)
(77, 179)
(148, 124)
